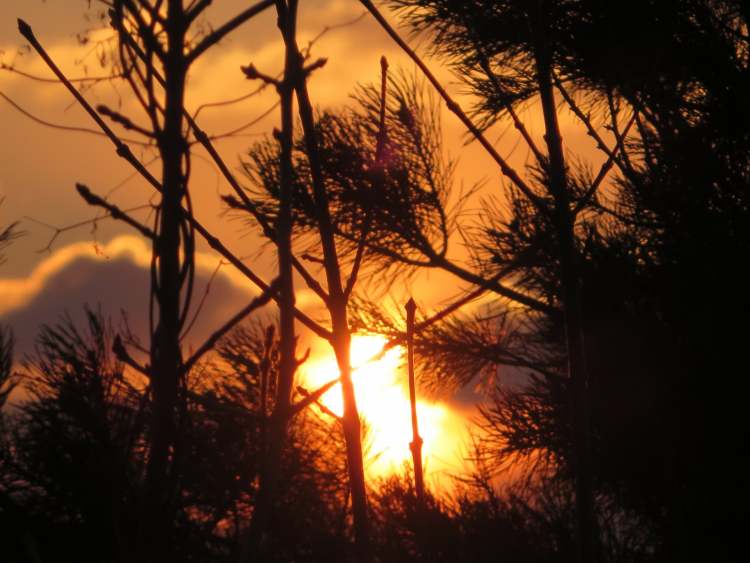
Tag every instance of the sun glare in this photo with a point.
(382, 393)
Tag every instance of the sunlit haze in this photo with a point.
(382, 391)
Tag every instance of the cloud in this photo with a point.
(114, 277)
(42, 165)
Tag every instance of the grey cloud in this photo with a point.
(114, 285)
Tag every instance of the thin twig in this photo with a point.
(71, 128)
(518, 124)
(605, 168)
(114, 211)
(124, 151)
(453, 106)
(203, 299)
(591, 130)
(122, 354)
(211, 341)
(227, 28)
(311, 397)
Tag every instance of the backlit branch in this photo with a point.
(205, 141)
(124, 121)
(146, 31)
(592, 132)
(606, 167)
(227, 28)
(379, 164)
(517, 123)
(124, 151)
(197, 9)
(121, 353)
(453, 106)
(71, 128)
(81, 79)
(311, 397)
(211, 341)
(114, 211)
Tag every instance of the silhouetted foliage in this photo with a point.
(74, 442)
(395, 203)
(73, 454)
(661, 298)
(647, 265)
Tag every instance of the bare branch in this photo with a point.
(229, 102)
(492, 285)
(114, 211)
(123, 150)
(205, 141)
(71, 128)
(227, 28)
(315, 65)
(57, 231)
(124, 121)
(591, 130)
(197, 9)
(202, 301)
(122, 354)
(314, 397)
(82, 79)
(252, 73)
(517, 123)
(219, 247)
(211, 341)
(613, 114)
(247, 125)
(468, 298)
(145, 31)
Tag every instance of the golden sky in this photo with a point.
(39, 166)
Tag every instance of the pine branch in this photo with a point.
(453, 106)
(517, 123)
(605, 168)
(591, 130)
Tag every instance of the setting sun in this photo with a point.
(383, 400)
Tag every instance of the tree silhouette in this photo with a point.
(613, 297)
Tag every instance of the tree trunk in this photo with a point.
(571, 296)
(341, 341)
(166, 358)
(352, 434)
(255, 548)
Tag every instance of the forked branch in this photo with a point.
(124, 151)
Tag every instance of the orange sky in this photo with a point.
(39, 166)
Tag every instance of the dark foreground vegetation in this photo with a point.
(617, 296)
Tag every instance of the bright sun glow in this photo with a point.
(382, 394)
